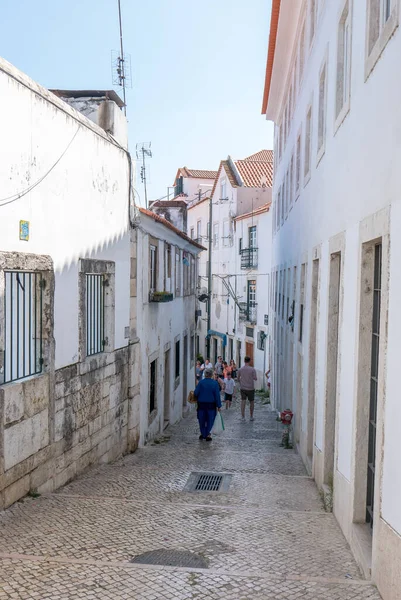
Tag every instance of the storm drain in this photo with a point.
(172, 558)
(208, 482)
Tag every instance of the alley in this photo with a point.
(267, 537)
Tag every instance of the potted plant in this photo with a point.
(161, 297)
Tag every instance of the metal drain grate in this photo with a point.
(208, 482)
(172, 558)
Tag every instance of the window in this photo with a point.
(240, 246)
(308, 143)
(199, 231)
(343, 64)
(192, 274)
(292, 182)
(298, 167)
(215, 235)
(321, 127)
(226, 233)
(382, 19)
(302, 53)
(252, 236)
(192, 349)
(177, 271)
(287, 200)
(313, 14)
(23, 355)
(153, 268)
(249, 331)
(278, 209)
(192, 233)
(167, 268)
(95, 342)
(251, 300)
(223, 189)
(208, 230)
(152, 386)
(282, 203)
(186, 272)
(177, 359)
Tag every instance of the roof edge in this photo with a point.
(162, 221)
(275, 14)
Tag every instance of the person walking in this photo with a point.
(207, 365)
(198, 371)
(233, 368)
(219, 367)
(207, 393)
(246, 378)
(229, 385)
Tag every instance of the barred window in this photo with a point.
(95, 294)
(23, 352)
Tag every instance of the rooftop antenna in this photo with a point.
(143, 149)
(121, 64)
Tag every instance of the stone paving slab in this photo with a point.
(49, 581)
(267, 538)
(103, 529)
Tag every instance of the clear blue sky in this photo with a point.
(197, 70)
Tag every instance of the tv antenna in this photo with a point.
(144, 149)
(121, 64)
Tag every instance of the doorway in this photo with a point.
(238, 355)
(312, 360)
(215, 351)
(166, 388)
(185, 374)
(249, 351)
(332, 367)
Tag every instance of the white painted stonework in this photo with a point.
(324, 239)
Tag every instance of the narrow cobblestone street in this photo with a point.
(267, 537)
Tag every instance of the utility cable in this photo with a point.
(15, 197)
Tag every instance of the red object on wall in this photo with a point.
(286, 416)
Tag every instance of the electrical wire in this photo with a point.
(15, 197)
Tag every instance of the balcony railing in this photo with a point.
(248, 312)
(249, 258)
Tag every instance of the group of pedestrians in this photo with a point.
(210, 382)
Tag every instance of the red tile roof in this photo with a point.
(271, 52)
(229, 173)
(195, 173)
(255, 173)
(166, 223)
(265, 155)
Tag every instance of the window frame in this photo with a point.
(343, 75)
(322, 106)
(153, 265)
(386, 29)
(298, 165)
(308, 142)
(215, 235)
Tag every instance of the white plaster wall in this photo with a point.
(192, 186)
(357, 176)
(80, 209)
(158, 325)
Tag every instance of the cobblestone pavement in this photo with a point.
(267, 537)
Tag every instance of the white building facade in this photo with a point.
(239, 210)
(84, 342)
(332, 92)
(163, 300)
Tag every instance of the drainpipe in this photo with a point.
(209, 277)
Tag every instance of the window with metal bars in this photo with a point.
(374, 379)
(23, 352)
(95, 301)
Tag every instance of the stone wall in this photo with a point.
(54, 428)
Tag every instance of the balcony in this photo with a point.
(249, 258)
(248, 312)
